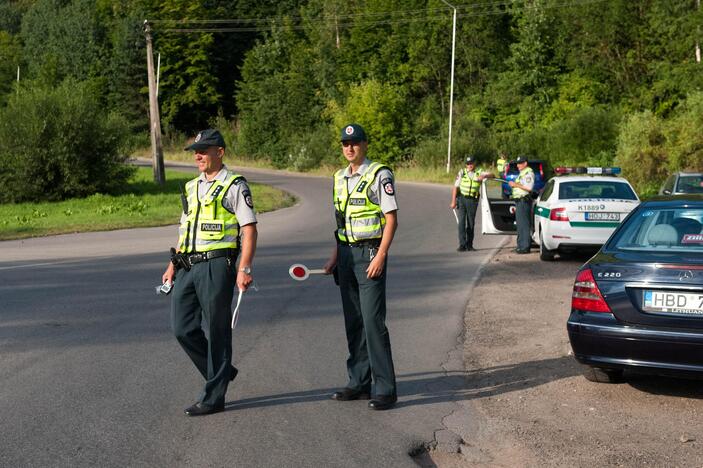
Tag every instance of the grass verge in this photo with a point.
(144, 204)
(410, 173)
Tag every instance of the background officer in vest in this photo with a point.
(522, 188)
(366, 215)
(465, 195)
(501, 162)
(217, 211)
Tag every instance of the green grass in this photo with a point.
(411, 173)
(143, 204)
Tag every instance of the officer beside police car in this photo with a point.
(522, 196)
(218, 225)
(465, 195)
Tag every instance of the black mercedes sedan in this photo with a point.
(638, 303)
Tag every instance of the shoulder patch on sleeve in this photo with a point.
(387, 185)
(248, 199)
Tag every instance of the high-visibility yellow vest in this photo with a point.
(208, 225)
(518, 192)
(358, 218)
(469, 185)
(500, 166)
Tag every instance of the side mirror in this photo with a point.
(667, 192)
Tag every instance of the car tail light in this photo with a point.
(558, 214)
(586, 295)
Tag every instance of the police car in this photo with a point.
(578, 208)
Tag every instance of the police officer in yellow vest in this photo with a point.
(500, 165)
(521, 194)
(218, 225)
(366, 215)
(465, 195)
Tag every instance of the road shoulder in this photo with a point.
(534, 406)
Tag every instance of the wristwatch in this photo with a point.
(246, 270)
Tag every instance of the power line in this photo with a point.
(396, 17)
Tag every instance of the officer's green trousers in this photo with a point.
(364, 303)
(201, 314)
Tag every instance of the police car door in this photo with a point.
(497, 211)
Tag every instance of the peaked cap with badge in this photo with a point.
(353, 132)
(206, 139)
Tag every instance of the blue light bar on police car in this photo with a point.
(587, 170)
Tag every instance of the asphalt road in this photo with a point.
(90, 374)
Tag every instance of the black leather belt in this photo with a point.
(365, 243)
(198, 257)
(470, 197)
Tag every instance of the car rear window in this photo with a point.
(595, 189)
(661, 229)
(690, 184)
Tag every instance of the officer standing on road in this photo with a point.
(465, 195)
(521, 194)
(366, 216)
(217, 211)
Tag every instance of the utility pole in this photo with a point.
(154, 119)
(698, 33)
(451, 89)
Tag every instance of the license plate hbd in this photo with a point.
(684, 303)
(602, 216)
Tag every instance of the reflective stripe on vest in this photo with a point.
(518, 192)
(208, 225)
(362, 218)
(469, 185)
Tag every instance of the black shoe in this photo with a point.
(461, 249)
(520, 251)
(470, 249)
(347, 394)
(383, 402)
(233, 373)
(201, 409)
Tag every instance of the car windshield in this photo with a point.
(660, 229)
(595, 189)
(690, 184)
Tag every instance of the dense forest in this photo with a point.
(569, 81)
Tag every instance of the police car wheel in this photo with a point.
(544, 253)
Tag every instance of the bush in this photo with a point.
(641, 152)
(381, 109)
(685, 142)
(60, 143)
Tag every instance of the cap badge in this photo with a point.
(349, 130)
(197, 137)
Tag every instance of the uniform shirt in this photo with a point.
(381, 191)
(528, 180)
(457, 181)
(236, 200)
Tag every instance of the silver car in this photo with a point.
(682, 182)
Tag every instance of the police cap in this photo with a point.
(521, 159)
(470, 160)
(205, 139)
(353, 132)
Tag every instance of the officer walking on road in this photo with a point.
(217, 211)
(366, 216)
(465, 194)
(521, 194)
